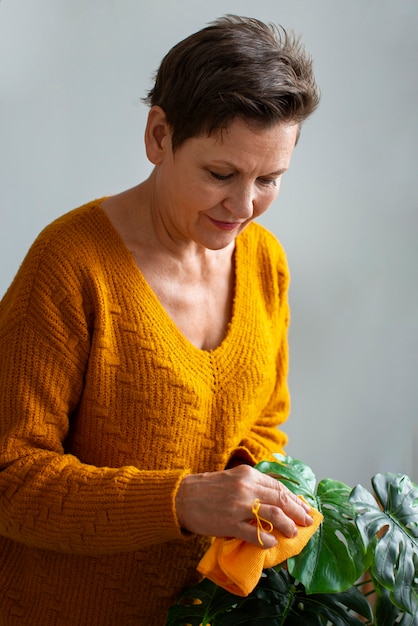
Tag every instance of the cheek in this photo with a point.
(205, 195)
(265, 201)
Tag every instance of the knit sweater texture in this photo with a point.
(105, 406)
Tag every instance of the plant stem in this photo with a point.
(286, 611)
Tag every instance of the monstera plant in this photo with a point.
(360, 567)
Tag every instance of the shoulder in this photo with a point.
(55, 263)
(262, 245)
(69, 238)
(85, 221)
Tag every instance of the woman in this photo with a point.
(143, 355)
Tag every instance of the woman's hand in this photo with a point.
(219, 504)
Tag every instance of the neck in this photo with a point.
(155, 230)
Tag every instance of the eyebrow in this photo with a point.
(234, 167)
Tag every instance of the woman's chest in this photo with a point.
(198, 302)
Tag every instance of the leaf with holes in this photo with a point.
(389, 522)
(206, 603)
(340, 609)
(278, 600)
(334, 558)
(387, 614)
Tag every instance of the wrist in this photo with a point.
(180, 504)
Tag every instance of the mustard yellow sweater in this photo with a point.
(104, 406)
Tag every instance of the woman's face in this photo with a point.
(212, 187)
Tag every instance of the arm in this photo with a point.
(265, 437)
(50, 499)
(219, 503)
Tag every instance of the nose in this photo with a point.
(240, 201)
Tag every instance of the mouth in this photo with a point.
(227, 226)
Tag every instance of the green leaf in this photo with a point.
(334, 558)
(392, 528)
(221, 608)
(340, 609)
(265, 616)
(278, 600)
(387, 614)
(297, 476)
(201, 604)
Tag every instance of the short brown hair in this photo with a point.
(234, 67)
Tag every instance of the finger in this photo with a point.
(248, 532)
(279, 520)
(280, 496)
(295, 508)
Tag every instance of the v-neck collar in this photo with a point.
(121, 254)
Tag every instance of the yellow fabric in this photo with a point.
(237, 565)
(104, 405)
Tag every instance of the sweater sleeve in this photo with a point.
(266, 437)
(50, 499)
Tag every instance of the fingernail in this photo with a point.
(308, 520)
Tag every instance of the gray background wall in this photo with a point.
(71, 124)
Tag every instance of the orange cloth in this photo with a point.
(237, 565)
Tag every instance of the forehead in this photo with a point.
(242, 144)
(253, 126)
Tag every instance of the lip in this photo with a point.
(228, 226)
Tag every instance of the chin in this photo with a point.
(219, 243)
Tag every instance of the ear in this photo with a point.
(157, 135)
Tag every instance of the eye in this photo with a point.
(217, 176)
(269, 182)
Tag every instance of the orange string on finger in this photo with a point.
(262, 523)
